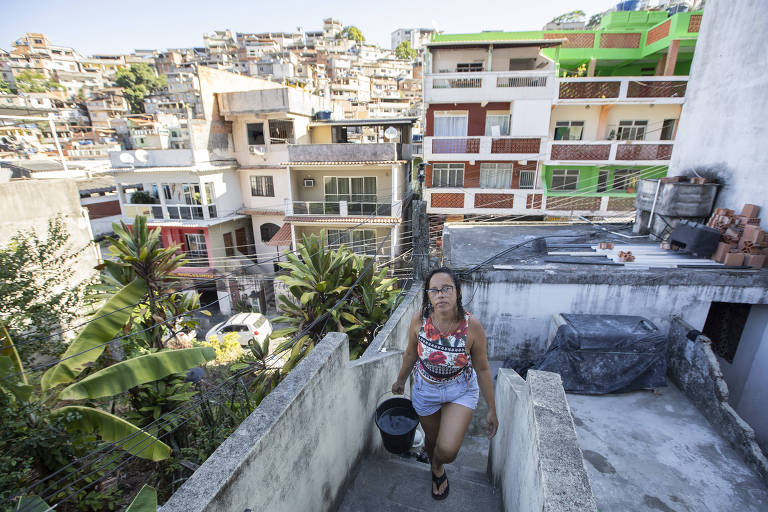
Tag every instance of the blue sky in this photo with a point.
(107, 26)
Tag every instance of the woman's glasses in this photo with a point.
(445, 290)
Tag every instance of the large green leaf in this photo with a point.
(89, 343)
(145, 501)
(9, 380)
(114, 429)
(31, 504)
(125, 375)
(8, 350)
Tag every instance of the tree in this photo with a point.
(34, 81)
(594, 21)
(352, 32)
(318, 279)
(572, 16)
(138, 82)
(5, 87)
(37, 298)
(404, 51)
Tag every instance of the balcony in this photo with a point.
(489, 86)
(342, 208)
(483, 201)
(616, 151)
(638, 89)
(481, 148)
(279, 99)
(348, 152)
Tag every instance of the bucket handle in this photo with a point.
(378, 400)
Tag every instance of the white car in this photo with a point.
(248, 326)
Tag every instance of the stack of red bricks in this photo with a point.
(742, 242)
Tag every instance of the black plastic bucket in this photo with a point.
(397, 421)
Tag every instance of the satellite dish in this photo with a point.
(390, 133)
(141, 155)
(126, 158)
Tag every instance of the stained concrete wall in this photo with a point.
(300, 447)
(725, 104)
(693, 367)
(535, 457)
(28, 205)
(516, 306)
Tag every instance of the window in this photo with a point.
(495, 175)
(255, 134)
(497, 124)
(667, 129)
(242, 241)
(623, 178)
(281, 131)
(356, 190)
(450, 124)
(262, 186)
(569, 130)
(447, 175)
(631, 130)
(197, 251)
(360, 241)
(268, 231)
(469, 67)
(527, 179)
(602, 181)
(565, 179)
(229, 244)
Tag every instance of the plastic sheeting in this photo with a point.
(597, 354)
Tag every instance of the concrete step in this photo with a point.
(387, 483)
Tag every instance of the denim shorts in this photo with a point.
(428, 397)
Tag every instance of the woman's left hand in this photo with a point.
(492, 424)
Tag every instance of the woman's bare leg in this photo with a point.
(454, 421)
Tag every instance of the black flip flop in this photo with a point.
(438, 481)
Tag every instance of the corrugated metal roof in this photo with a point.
(282, 237)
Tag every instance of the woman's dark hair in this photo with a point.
(426, 305)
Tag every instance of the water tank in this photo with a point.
(323, 115)
(627, 5)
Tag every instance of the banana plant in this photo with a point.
(145, 501)
(118, 378)
(318, 278)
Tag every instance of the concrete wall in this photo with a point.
(301, 446)
(343, 152)
(516, 306)
(693, 367)
(724, 104)
(29, 205)
(535, 457)
(746, 376)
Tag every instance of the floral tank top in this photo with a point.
(443, 356)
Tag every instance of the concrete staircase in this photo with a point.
(390, 483)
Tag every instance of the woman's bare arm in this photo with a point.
(409, 356)
(479, 352)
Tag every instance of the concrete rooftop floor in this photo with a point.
(648, 451)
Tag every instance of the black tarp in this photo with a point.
(596, 354)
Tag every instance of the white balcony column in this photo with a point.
(396, 195)
(343, 208)
(204, 201)
(604, 203)
(288, 206)
(121, 199)
(623, 86)
(490, 58)
(612, 154)
(163, 204)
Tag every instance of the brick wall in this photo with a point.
(621, 204)
(573, 40)
(533, 202)
(447, 201)
(644, 152)
(625, 40)
(657, 33)
(476, 115)
(579, 152)
(694, 24)
(494, 200)
(573, 203)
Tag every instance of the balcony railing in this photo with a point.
(340, 208)
(630, 89)
(491, 148)
(610, 151)
(175, 211)
(489, 86)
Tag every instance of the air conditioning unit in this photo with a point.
(309, 182)
(256, 150)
